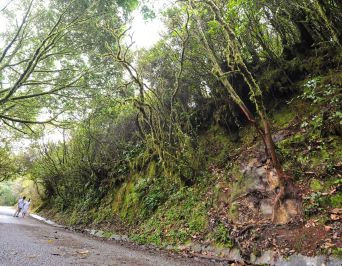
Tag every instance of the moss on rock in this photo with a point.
(316, 185)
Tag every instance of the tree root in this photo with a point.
(286, 190)
(277, 201)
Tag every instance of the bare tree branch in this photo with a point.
(17, 33)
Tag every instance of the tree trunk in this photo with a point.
(322, 11)
(233, 52)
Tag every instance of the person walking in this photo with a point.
(21, 202)
(26, 207)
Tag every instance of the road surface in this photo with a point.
(26, 241)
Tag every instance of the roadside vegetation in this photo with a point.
(226, 133)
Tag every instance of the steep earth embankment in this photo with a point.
(231, 203)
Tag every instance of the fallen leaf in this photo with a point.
(327, 228)
(336, 211)
(328, 245)
(334, 217)
(82, 252)
(50, 241)
(332, 191)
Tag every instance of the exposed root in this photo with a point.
(277, 201)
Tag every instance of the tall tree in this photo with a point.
(37, 67)
(233, 57)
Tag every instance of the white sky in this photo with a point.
(145, 35)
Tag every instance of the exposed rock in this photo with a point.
(266, 207)
(225, 252)
(300, 260)
(119, 237)
(234, 254)
(208, 249)
(124, 238)
(115, 237)
(260, 171)
(184, 247)
(268, 257)
(253, 258)
(196, 248)
(261, 184)
(218, 251)
(99, 233)
(170, 247)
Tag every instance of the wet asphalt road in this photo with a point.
(26, 241)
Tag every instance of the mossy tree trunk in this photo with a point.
(322, 11)
(235, 60)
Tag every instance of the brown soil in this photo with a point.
(303, 239)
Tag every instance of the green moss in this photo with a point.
(126, 201)
(337, 252)
(295, 140)
(284, 117)
(316, 185)
(118, 198)
(151, 170)
(176, 236)
(247, 135)
(198, 221)
(336, 200)
(130, 204)
(182, 215)
(333, 78)
(216, 145)
(107, 234)
(74, 218)
(222, 237)
(235, 173)
(322, 219)
(233, 211)
(152, 235)
(286, 147)
(104, 213)
(242, 184)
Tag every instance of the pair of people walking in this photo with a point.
(23, 207)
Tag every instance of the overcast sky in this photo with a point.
(146, 33)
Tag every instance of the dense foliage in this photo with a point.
(141, 127)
